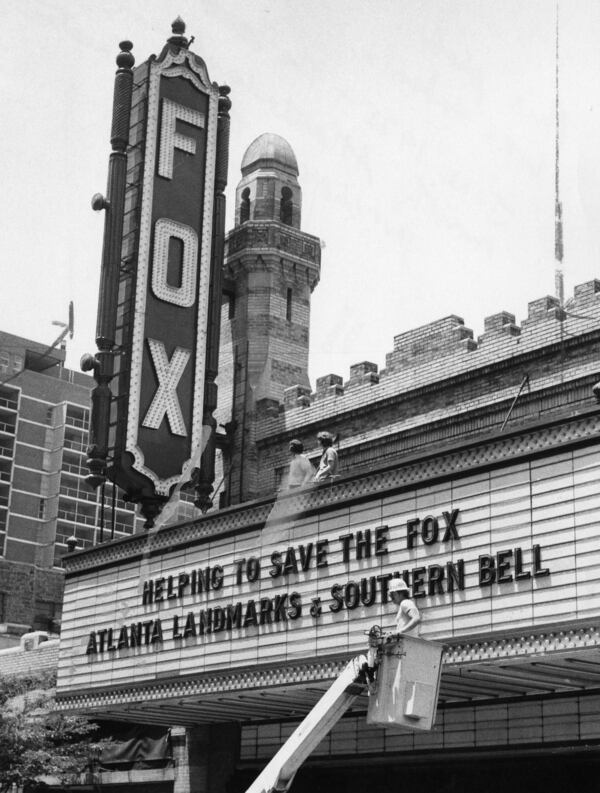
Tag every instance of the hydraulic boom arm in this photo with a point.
(402, 674)
(279, 774)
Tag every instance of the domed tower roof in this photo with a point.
(270, 151)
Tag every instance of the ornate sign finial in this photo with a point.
(178, 30)
(178, 26)
(125, 59)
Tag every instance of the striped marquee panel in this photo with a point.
(534, 521)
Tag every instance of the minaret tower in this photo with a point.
(271, 269)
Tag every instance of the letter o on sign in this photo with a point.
(183, 295)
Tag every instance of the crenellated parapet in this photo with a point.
(430, 342)
(439, 375)
(446, 346)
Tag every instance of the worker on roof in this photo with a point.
(328, 464)
(301, 471)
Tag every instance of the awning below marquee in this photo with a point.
(556, 662)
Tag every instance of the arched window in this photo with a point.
(245, 206)
(285, 212)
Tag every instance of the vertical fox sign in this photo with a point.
(159, 302)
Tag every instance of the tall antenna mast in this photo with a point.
(558, 227)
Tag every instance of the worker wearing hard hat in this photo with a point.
(328, 465)
(408, 618)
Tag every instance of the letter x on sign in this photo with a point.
(165, 400)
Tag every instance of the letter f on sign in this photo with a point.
(170, 139)
(165, 400)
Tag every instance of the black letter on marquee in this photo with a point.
(436, 576)
(487, 574)
(295, 609)
(123, 640)
(345, 540)
(277, 564)
(351, 595)
(182, 582)
(290, 565)
(252, 569)
(218, 619)
(502, 567)
(234, 616)
(147, 626)
(322, 546)
(170, 594)
(190, 625)
(368, 598)
(204, 580)
(305, 556)
(411, 532)
(156, 632)
(418, 575)
(250, 617)
(204, 622)
(429, 530)
(381, 540)
(451, 532)
(363, 544)
(101, 637)
(176, 631)
(279, 608)
(147, 593)
(455, 574)
(92, 647)
(216, 577)
(338, 601)
(135, 633)
(538, 570)
(384, 580)
(266, 611)
(520, 574)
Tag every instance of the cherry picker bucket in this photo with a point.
(407, 683)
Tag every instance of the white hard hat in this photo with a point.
(398, 585)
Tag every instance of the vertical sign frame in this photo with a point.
(153, 399)
(159, 304)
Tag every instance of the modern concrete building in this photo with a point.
(469, 466)
(44, 500)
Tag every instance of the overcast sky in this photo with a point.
(424, 133)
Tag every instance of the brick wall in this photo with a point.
(264, 338)
(30, 594)
(35, 653)
(439, 383)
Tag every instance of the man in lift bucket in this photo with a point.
(408, 618)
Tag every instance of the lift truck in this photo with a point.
(401, 674)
